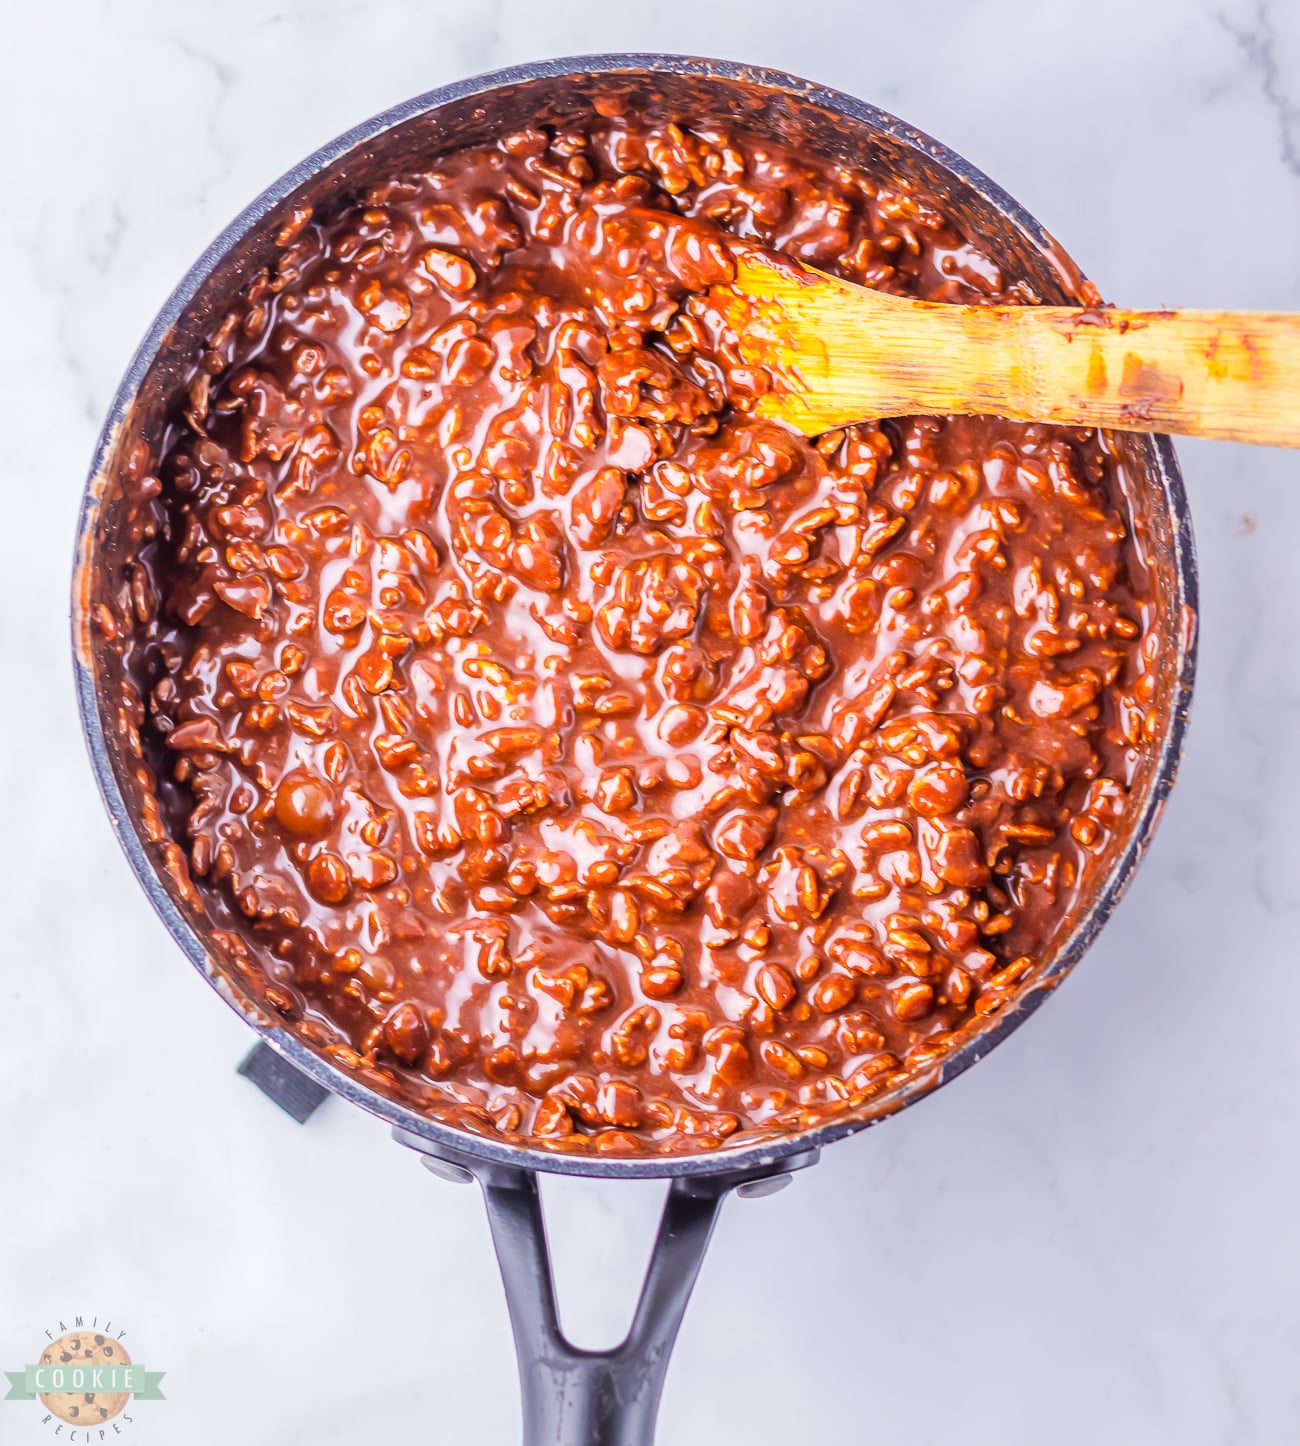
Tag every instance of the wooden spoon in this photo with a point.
(838, 353)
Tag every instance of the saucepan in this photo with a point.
(570, 1395)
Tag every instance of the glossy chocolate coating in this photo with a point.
(611, 760)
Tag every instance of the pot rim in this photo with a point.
(764, 1151)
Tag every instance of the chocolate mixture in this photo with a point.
(618, 766)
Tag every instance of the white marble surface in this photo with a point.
(1089, 1238)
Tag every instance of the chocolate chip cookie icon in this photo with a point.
(87, 1349)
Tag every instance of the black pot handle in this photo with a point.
(571, 1397)
(575, 1397)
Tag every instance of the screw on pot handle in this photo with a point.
(575, 1397)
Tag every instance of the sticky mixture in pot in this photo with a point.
(614, 765)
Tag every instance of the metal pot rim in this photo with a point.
(458, 1142)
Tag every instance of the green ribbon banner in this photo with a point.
(33, 1381)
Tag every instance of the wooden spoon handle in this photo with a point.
(1231, 375)
(837, 353)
